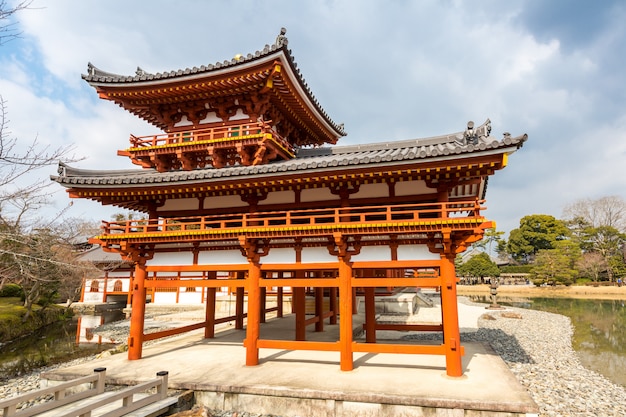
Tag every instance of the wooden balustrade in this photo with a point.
(322, 219)
(204, 135)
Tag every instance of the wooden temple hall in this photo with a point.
(245, 189)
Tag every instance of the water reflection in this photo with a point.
(56, 343)
(87, 323)
(599, 329)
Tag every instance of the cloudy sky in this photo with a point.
(389, 70)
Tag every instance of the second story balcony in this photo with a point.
(423, 222)
(218, 146)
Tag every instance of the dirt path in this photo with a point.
(577, 291)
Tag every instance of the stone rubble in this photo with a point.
(535, 345)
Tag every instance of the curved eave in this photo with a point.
(134, 93)
(383, 156)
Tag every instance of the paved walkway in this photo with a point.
(312, 383)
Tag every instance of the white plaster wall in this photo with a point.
(122, 274)
(373, 253)
(279, 197)
(416, 252)
(239, 115)
(164, 298)
(171, 258)
(413, 188)
(313, 255)
(184, 122)
(93, 297)
(372, 191)
(190, 297)
(279, 255)
(317, 194)
(180, 204)
(221, 257)
(111, 283)
(225, 201)
(211, 117)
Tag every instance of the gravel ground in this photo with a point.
(535, 345)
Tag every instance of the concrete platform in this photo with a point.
(310, 383)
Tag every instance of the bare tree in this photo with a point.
(592, 265)
(16, 162)
(606, 211)
(8, 29)
(34, 254)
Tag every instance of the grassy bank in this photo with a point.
(12, 312)
(574, 291)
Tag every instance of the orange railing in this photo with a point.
(215, 134)
(314, 218)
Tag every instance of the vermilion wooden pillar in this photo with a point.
(298, 300)
(209, 329)
(299, 306)
(450, 315)
(254, 314)
(138, 311)
(370, 315)
(319, 309)
(239, 303)
(345, 314)
(333, 305)
(263, 304)
(279, 298)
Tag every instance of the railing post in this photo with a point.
(101, 379)
(162, 388)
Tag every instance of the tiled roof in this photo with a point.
(463, 144)
(96, 77)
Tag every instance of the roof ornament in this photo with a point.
(140, 72)
(91, 69)
(281, 39)
(470, 135)
(62, 169)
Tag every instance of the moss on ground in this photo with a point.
(12, 312)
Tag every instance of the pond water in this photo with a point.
(56, 343)
(599, 329)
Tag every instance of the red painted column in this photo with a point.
(239, 303)
(345, 314)
(138, 311)
(333, 305)
(298, 300)
(254, 314)
(299, 305)
(450, 315)
(319, 309)
(370, 315)
(209, 329)
(263, 304)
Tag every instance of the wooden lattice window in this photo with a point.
(95, 286)
(117, 286)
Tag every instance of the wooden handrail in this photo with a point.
(129, 403)
(206, 135)
(62, 395)
(397, 214)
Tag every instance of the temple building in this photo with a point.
(246, 190)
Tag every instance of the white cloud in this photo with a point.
(389, 70)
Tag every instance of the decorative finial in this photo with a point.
(281, 39)
(470, 135)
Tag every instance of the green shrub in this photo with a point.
(12, 290)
